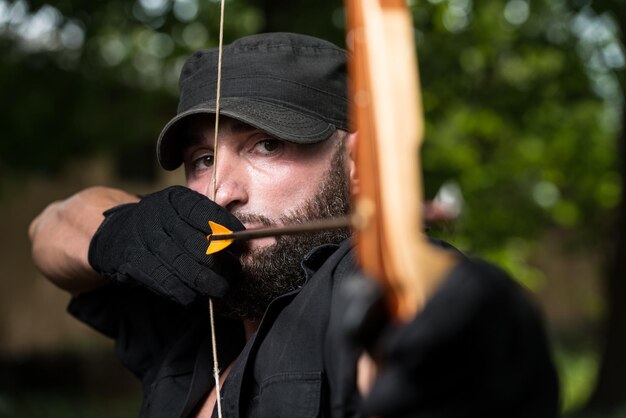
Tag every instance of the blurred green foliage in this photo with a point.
(577, 373)
(514, 116)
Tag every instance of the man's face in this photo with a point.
(267, 182)
(257, 175)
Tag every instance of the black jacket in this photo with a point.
(296, 365)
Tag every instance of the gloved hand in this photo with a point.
(477, 349)
(160, 243)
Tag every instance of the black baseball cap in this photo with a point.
(289, 85)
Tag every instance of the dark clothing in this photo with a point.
(477, 349)
(296, 365)
(280, 372)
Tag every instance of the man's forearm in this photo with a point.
(61, 234)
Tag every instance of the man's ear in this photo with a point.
(350, 147)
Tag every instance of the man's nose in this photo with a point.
(230, 191)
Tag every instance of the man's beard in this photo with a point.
(275, 270)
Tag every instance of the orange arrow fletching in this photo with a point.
(218, 245)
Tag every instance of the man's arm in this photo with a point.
(158, 242)
(61, 234)
(478, 348)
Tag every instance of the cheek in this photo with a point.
(287, 189)
(199, 185)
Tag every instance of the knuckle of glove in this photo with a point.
(223, 217)
(198, 210)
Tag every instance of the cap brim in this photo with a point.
(276, 119)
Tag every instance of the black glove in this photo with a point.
(477, 349)
(160, 243)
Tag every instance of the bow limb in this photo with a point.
(387, 113)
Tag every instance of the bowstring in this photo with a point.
(216, 367)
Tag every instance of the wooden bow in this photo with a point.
(387, 111)
(387, 114)
(388, 117)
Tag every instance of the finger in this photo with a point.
(181, 237)
(198, 210)
(206, 210)
(195, 243)
(148, 271)
(211, 284)
(199, 276)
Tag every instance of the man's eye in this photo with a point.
(268, 145)
(203, 162)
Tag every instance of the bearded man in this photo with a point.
(139, 272)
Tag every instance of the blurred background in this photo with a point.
(523, 159)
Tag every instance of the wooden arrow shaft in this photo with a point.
(321, 225)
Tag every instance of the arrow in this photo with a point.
(222, 237)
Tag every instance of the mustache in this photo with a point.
(299, 215)
(254, 218)
(243, 248)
